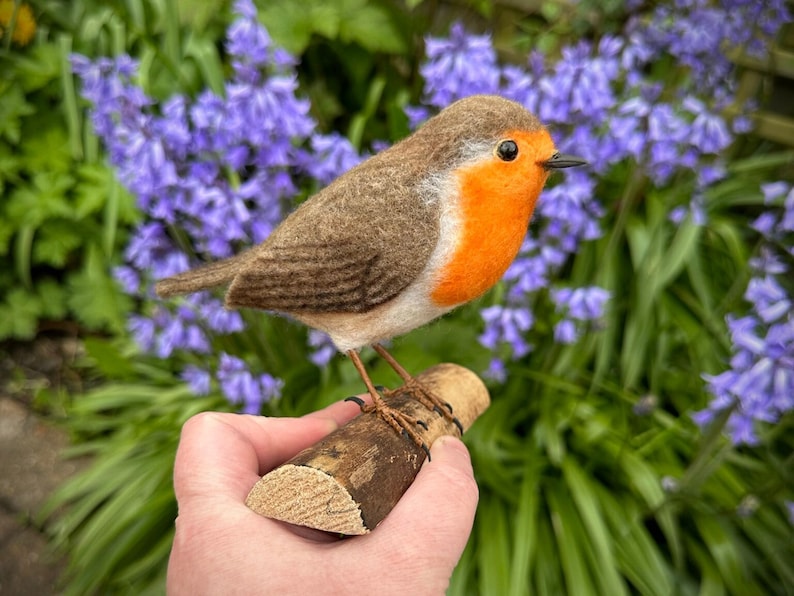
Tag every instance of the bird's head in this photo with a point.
(497, 137)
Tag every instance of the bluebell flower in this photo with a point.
(582, 304)
(709, 132)
(242, 387)
(198, 379)
(459, 66)
(143, 330)
(507, 325)
(696, 210)
(218, 319)
(759, 386)
(565, 332)
(767, 262)
(769, 299)
(602, 102)
(198, 165)
(128, 278)
(324, 348)
(333, 154)
(496, 371)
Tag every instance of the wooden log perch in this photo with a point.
(350, 480)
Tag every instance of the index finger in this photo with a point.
(235, 450)
(225, 454)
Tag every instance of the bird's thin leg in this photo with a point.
(400, 422)
(419, 392)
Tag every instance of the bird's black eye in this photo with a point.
(507, 150)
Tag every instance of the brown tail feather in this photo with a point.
(202, 278)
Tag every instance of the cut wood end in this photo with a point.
(306, 497)
(350, 480)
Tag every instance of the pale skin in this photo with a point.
(222, 547)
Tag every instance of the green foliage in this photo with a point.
(119, 527)
(581, 492)
(375, 26)
(64, 217)
(55, 218)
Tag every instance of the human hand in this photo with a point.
(222, 547)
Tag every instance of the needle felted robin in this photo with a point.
(402, 238)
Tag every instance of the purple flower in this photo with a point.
(198, 379)
(128, 278)
(143, 331)
(496, 371)
(769, 299)
(507, 325)
(709, 132)
(768, 262)
(603, 102)
(565, 332)
(583, 304)
(242, 387)
(459, 66)
(324, 348)
(215, 172)
(759, 386)
(334, 155)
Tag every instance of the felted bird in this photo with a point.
(404, 237)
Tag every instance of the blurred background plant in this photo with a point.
(640, 351)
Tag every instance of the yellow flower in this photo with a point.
(25, 25)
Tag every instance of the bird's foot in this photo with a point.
(431, 401)
(418, 391)
(402, 423)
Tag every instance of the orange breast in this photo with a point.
(496, 202)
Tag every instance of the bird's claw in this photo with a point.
(356, 399)
(423, 445)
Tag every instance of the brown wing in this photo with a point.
(312, 278)
(351, 247)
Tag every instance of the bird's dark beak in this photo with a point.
(559, 161)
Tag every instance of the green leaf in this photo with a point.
(55, 242)
(13, 108)
(197, 14)
(492, 521)
(292, 24)
(106, 356)
(7, 229)
(10, 166)
(19, 314)
(95, 299)
(45, 198)
(23, 253)
(639, 556)
(46, 146)
(680, 252)
(525, 531)
(39, 67)
(94, 184)
(724, 553)
(605, 568)
(52, 297)
(205, 55)
(571, 542)
(368, 24)
(371, 26)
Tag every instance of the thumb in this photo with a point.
(433, 519)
